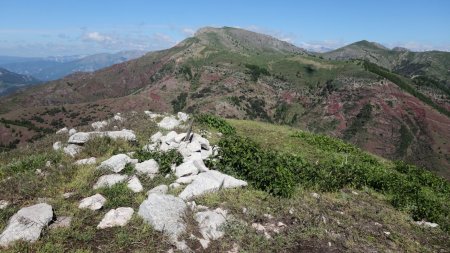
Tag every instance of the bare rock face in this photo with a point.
(164, 213)
(27, 224)
(210, 181)
(116, 217)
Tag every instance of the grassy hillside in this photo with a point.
(332, 205)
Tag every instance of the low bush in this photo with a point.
(164, 159)
(215, 122)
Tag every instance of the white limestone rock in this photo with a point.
(161, 189)
(119, 118)
(57, 145)
(62, 131)
(81, 137)
(27, 224)
(87, 161)
(427, 224)
(169, 123)
(183, 116)
(210, 181)
(3, 204)
(169, 137)
(94, 202)
(152, 115)
(97, 126)
(116, 218)
(61, 222)
(72, 131)
(72, 150)
(134, 184)
(115, 163)
(122, 134)
(200, 165)
(180, 137)
(186, 169)
(164, 213)
(149, 168)
(194, 146)
(174, 185)
(156, 137)
(185, 180)
(151, 147)
(109, 180)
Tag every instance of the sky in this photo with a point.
(55, 28)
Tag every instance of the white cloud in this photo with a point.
(188, 32)
(96, 36)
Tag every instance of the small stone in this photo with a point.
(94, 202)
(116, 218)
(315, 195)
(68, 194)
(72, 131)
(87, 161)
(48, 164)
(134, 184)
(99, 125)
(268, 216)
(57, 145)
(291, 210)
(4, 204)
(62, 131)
(183, 116)
(61, 222)
(72, 150)
(387, 233)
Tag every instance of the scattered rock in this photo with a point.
(134, 184)
(61, 222)
(170, 137)
(99, 125)
(115, 163)
(315, 195)
(235, 248)
(72, 150)
(169, 123)
(152, 115)
(119, 118)
(210, 224)
(161, 189)
(186, 169)
(149, 168)
(27, 224)
(116, 217)
(164, 213)
(72, 131)
(57, 145)
(94, 202)
(182, 116)
(4, 204)
(156, 137)
(210, 181)
(109, 180)
(81, 137)
(122, 134)
(68, 194)
(427, 224)
(87, 161)
(62, 131)
(48, 164)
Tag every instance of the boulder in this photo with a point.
(200, 165)
(72, 150)
(87, 161)
(210, 181)
(185, 180)
(94, 202)
(164, 213)
(62, 131)
(134, 184)
(180, 137)
(169, 137)
(116, 217)
(115, 163)
(99, 125)
(109, 180)
(186, 169)
(211, 224)
(149, 168)
(169, 123)
(161, 189)
(27, 224)
(156, 137)
(194, 146)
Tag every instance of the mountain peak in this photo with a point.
(366, 43)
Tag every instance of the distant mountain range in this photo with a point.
(10, 81)
(52, 68)
(392, 102)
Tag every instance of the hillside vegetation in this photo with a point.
(331, 195)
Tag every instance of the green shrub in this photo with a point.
(215, 122)
(164, 159)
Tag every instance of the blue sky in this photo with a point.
(43, 28)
